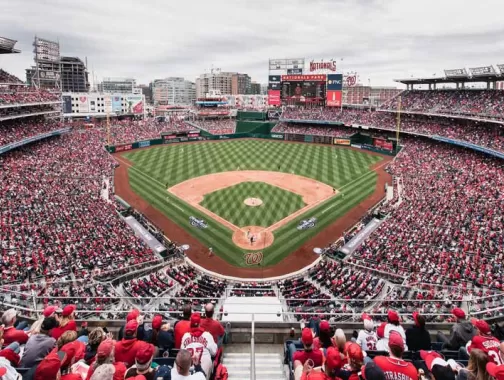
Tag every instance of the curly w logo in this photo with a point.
(253, 258)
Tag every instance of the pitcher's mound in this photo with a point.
(261, 238)
(253, 202)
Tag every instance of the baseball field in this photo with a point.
(242, 196)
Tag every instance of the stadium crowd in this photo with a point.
(311, 129)
(24, 95)
(8, 78)
(128, 131)
(15, 130)
(217, 126)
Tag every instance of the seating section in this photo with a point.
(22, 95)
(15, 131)
(252, 289)
(217, 126)
(6, 77)
(128, 131)
(310, 129)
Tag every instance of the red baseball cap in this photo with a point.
(393, 316)
(365, 316)
(105, 348)
(145, 353)
(496, 371)
(133, 314)
(131, 327)
(157, 322)
(68, 309)
(333, 359)
(380, 331)
(459, 313)
(415, 317)
(49, 310)
(72, 350)
(396, 340)
(195, 319)
(481, 325)
(307, 336)
(354, 352)
(49, 366)
(324, 326)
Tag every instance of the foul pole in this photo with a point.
(398, 125)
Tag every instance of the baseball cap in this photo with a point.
(368, 322)
(49, 323)
(354, 352)
(72, 350)
(415, 317)
(133, 314)
(393, 316)
(49, 366)
(195, 319)
(307, 336)
(333, 359)
(380, 331)
(324, 326)
(68, 309)
(157, 322)
(481, 325)
(432, 358)
(396, 340)
(105, 348)
(371, 371)
(496, 371)
(131, 327)
(459, 313)
(49, 310)
(145, 353)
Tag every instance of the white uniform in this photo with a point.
(367, 340)
(390, 327)
(203, 345)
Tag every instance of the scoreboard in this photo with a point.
(303, 88)
(175, 137)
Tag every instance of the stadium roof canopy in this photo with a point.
(477, 74)
(7, 46)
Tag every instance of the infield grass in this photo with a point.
(159, 168)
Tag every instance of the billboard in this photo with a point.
(134, 104)
(341, 141)
(274, 98)
(455, 73)
(335, 82)
(274, 78)
(67, 104)
(302, 78)
(116, 103)
(479, 71)
(92, 104)
(334, 98)
(83, 106)
(321, 66)
(274, 86)
(294, 71)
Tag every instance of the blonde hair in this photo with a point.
(66, 337)
(477, 365)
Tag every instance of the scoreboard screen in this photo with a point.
(310, 89)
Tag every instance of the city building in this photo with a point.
(174, 91)
(374, 96)
(255, 88)
(101, 104)
(147, 92)
(225, 82)
(74, 75)
(240, 84)
(118, 85)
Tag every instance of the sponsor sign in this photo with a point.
(275, 86)
(116, 103)
(277, 136)
(322, 66)
(134, 104)
(334, 82)
(294, 71)
(175, 140)
(253, 258)
(274, 98)
(144, 144)
(455, 73)
(122, 148)
(221, 137)
(304, 78)
(285, 64)
(383, 144)
(358, 239)
(341, 142)
(67, 104)
(274, 78)
(358, 146)
(83, 102)
(486, 70)
(169, 137)
(333, 98)
(92, 105)
(306, 224)
(145, 235)
(198, 223)
(351, 80)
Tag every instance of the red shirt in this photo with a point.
(58, 331)
(396, 368)
(303, 356)
(125, 351)
(12, 335)
(213, 327)
(181, 328)
(488, 344)
(71, 376)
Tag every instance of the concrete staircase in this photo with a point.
(267, 366)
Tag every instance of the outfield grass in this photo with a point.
(229, 204)
(157, 168)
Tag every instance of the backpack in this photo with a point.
(163, 372)
(221, 373)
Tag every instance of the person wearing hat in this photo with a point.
(143, 361)
(496, 371)
(183, 326)
(105, 356)
(417, 336)
(367, 338)
(67, 322)
(394, 324)
(39, 345)
(393, 365)
(332, 364)
(307, 354)
(200, 342)
(182, 365)
(354, 362)
(161, 335)
(134, 314)
(372, 372)
(325, 339)
(211, 325)
(484, 341)
(441, 369)
(461, 332)
(12, 334)
(48, 368)
(382, 344)
(126, 349)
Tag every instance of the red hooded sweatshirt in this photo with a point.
(125, 351)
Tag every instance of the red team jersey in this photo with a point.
(488, 344)
(396, 369)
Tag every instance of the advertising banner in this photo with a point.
(107, 102)
(134, 104)
(92, 104)
(479, 71)
(274, 98)
(335, 82)
(277, 136)
(341, 142)
(333, 98)
(274, 78)
(83, 106)
(303, 78)
(322, 66)
(116, 103)
(122, 148)
(144, 144)
(67, 104)
(275, 86)
(383, 144)
(294, 71)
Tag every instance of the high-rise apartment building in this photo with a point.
(173, 91)
(228, 83)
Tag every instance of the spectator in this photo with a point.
(66, 337)
(394, 324)
(13, 334)
(367, 338)
(372, 372)
(95, 338)
(341, 344)
(105, 357)
(437, 366)
(74, 351)
(355, 358)
(325, 339)
(308, 353)
(461, 333)
(201, 342)
(496, 371)
(332, 365)
(394, 366)
(48, 368)
(161, 335)
(476, 368)
(126, 349)
(182, 326)
(382, 344)
(182, 365)
(484, 341)
(211, 325)
(134, 314)
(417, 337)
(39, 345)
(143, 361)
(67, 321)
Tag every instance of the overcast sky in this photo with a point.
(379, 39)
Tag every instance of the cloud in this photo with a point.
(379, 39)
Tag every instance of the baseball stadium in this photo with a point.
(300, 234)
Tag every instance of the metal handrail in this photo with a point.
(252, 350)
